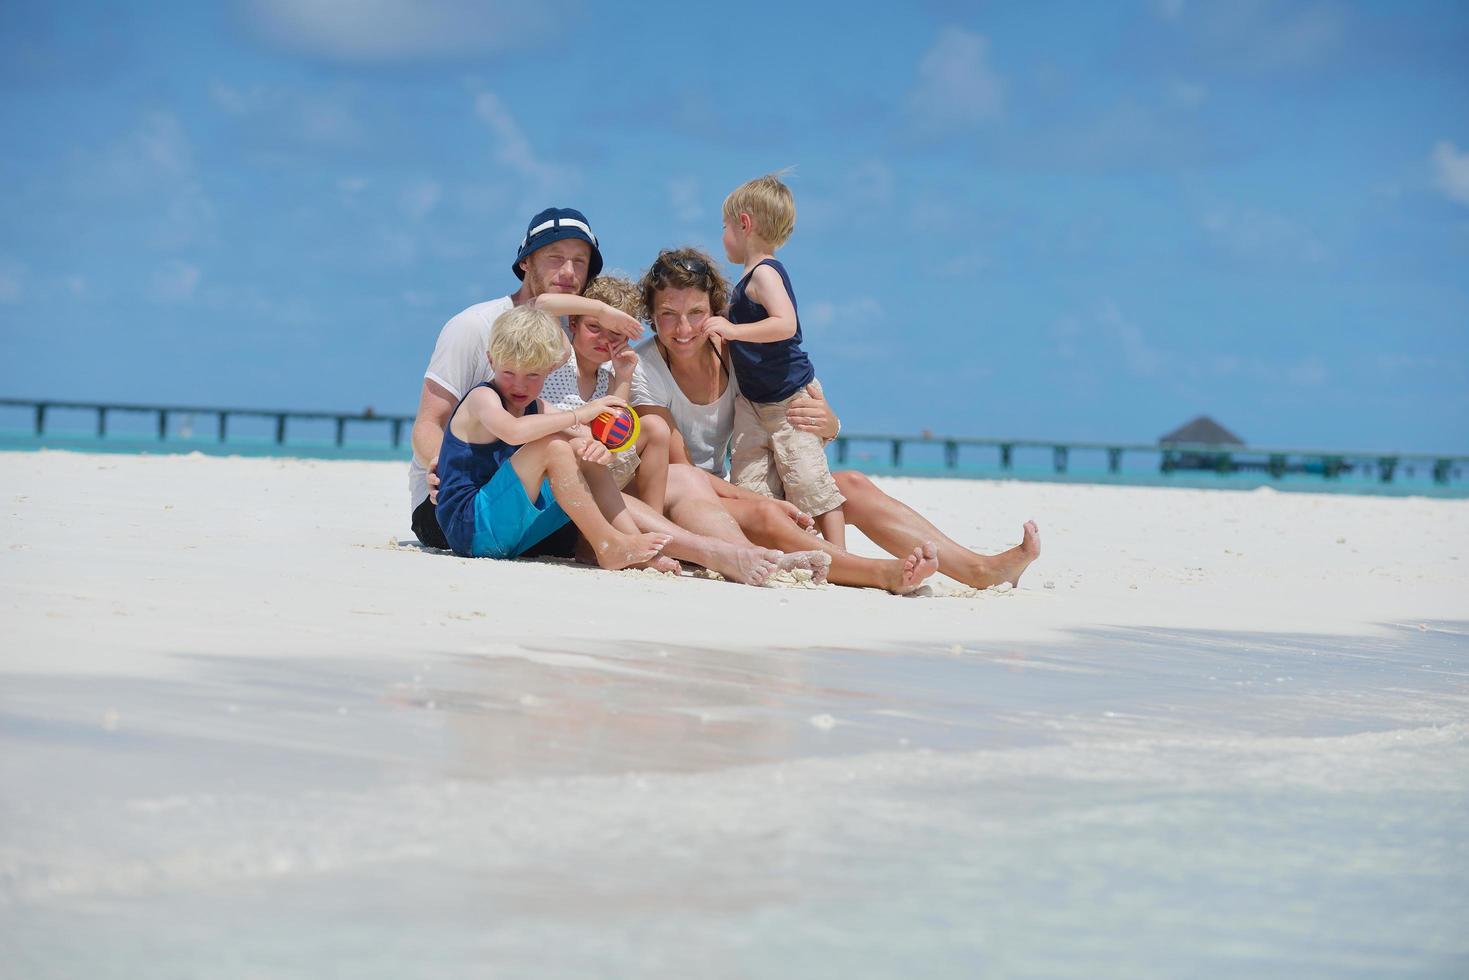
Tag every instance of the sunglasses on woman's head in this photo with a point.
(689, 266)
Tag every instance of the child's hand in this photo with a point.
(607, 403)
(802, 519)
(624, 360)
(433, 480)
(619, 322)
(719, 327)
(591, 450)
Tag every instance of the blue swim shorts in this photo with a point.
(506, 522)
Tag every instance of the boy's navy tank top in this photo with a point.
(463, 468)
(767, 372)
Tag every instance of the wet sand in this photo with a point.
(245, 731)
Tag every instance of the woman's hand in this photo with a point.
(813, 413)
(589, 449)
(619, 322)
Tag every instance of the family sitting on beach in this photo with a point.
(728, 470)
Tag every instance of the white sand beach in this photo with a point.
(247, 721)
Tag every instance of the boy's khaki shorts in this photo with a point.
(773, 458)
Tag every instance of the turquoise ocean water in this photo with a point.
(369, 441)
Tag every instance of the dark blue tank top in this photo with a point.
(463, 468)
(767, 372)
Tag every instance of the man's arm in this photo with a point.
(767, 289)
(435, 405)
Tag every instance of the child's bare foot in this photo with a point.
(622, 550)
(1007, 566)
(917, 567)
(747, 566)
(815, 562)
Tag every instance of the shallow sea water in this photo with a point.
(1124, 803)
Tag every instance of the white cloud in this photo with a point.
(1141, 358)
(861, 311)
(1261, 235)
(1168, 9)
(175, 282)
(12, 285)
(153, 164)
(956, 87)
(389, 31)
(352, 186)
(238, 101)
(685, 198)
(513, 148)
(420, 198)
(1451, 172)
(1187, 95)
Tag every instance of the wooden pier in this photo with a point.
(1327, 463)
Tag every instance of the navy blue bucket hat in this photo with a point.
(553, 225)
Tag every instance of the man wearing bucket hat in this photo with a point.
(555, 261)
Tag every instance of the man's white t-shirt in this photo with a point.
(706, 429)
(458, 364)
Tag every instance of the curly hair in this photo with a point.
(618, 292)
(685, 268)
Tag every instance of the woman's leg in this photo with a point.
(765, 522)
(896, 528)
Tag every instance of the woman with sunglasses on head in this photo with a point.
(685, 378)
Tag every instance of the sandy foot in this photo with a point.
(630, 549)
(815, 562)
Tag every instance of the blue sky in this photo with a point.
(1060, 220)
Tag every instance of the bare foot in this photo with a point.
(622, 550)
(1007, 566)
(815, 562)
(664, 564)
(747, 566)
(922, 563)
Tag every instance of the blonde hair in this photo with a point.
(617, 292)
(768, 202)
(526, 338)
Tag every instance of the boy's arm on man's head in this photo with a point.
(766, 288)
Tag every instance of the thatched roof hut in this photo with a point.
(1203, 431)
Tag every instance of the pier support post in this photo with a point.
(1277, 465)
(1114, 461)
(162, 424)
(951, 454)
(841, 449)
(341, 429)
(1386, 465)
(1441, 471)
(897, 454)
(280, 429)
(1058, 456)
(1007, 455)
(397, 433)
(101, 421)
(40, 418)
(223, 425)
